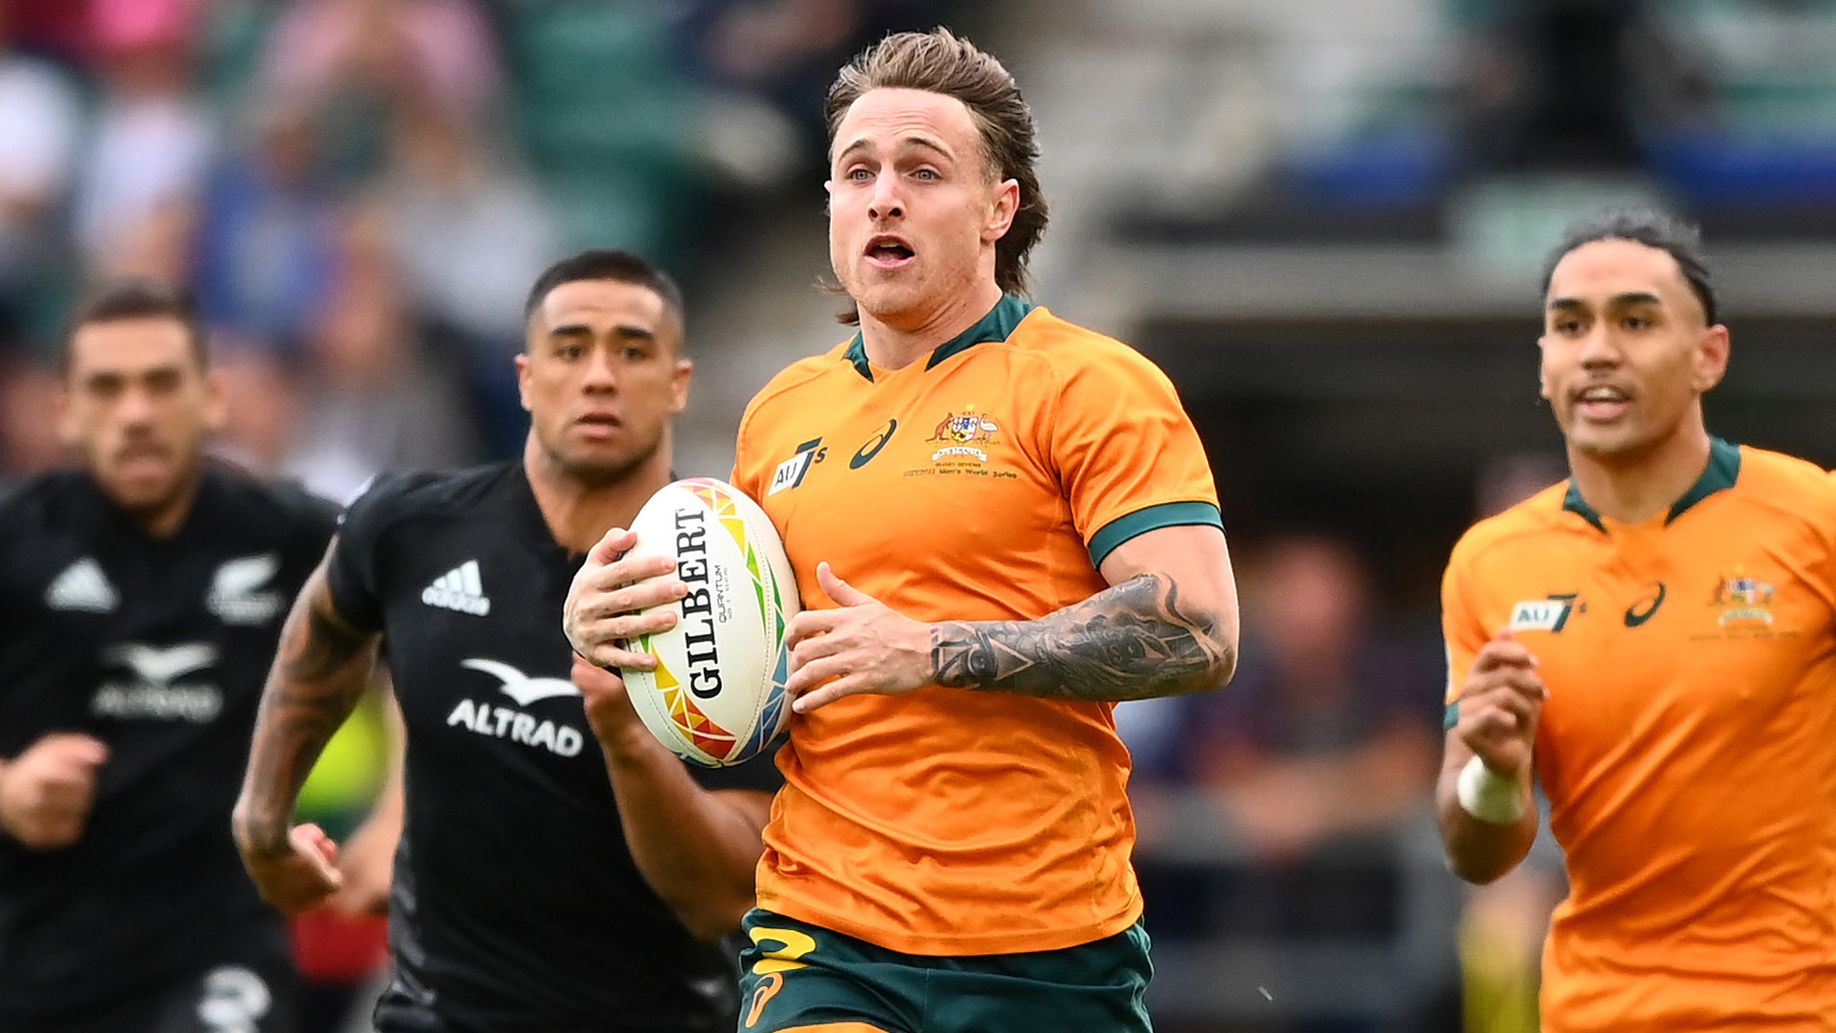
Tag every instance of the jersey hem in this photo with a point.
(955, 945)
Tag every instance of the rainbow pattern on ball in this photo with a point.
(688, 716)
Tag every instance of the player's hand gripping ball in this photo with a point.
(716, 696)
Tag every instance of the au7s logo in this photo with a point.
(1549, 614)
(791, 472)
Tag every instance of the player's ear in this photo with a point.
(679, 379)
(1542, 374)
(522, 379)
(1711, 357)
(1003, 206)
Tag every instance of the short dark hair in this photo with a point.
(940, 61)
(1681, 240)
(136, 299)
(606, 264)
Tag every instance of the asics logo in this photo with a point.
(1645, 609)
(872, 446)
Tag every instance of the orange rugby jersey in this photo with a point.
(1688, 745)
(985, 483)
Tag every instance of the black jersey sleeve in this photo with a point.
(352, 569)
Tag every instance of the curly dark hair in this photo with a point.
(1681, 240)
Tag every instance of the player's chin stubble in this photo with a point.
(159, 499)
(603, 472)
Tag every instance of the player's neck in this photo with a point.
(1635, 490)
(895, 347)
(577, 513)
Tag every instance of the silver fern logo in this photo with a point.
(235, 593)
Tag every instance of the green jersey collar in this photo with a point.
(1722, 471)
(997, 325)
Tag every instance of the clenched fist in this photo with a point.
(47, 791)
(1500, 705)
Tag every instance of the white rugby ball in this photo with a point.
(716, 697)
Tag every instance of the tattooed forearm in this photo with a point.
(321, 672)
(1132, 641)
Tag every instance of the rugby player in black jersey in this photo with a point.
(141, 597)
(559, 869)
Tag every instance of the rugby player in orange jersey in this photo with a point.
(1002, 523)
(1654, 641)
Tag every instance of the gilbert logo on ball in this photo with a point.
(716, 697)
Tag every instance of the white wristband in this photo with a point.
(1489, 796)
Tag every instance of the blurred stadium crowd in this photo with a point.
(360, 190)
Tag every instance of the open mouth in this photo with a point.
(887, 250)
(1603, 402)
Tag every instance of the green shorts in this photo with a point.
(801, 977)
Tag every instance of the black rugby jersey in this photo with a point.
(158, 647)
(516, 903)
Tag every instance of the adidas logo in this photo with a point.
(459, 589)
(82, 586)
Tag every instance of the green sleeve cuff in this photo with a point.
(1450, 716)
(1141, 521)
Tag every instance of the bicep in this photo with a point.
(317, 605)
(318, 640)
(1194, 557)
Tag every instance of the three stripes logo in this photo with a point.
(82, 587)
(460, 590)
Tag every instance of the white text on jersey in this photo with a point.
(459, 589)
(514, 725)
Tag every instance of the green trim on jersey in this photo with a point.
(1152, 518)
(1722, 471)
(997, 325)
(1574, 503)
